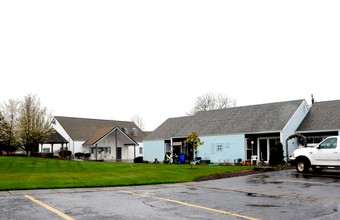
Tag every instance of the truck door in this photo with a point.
(327, 152)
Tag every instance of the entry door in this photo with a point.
(119, 153)
(265, 144)
(263, 154)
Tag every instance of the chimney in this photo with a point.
(135, 132)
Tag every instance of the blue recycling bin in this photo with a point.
(182, 158)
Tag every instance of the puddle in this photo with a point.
(259, 195)
(192, 188)
(263, 205)
(276, 182)
(307, 185)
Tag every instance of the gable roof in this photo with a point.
(272, 117)
(55, 138)
(100, 133)
(323, 116)
(81, 129)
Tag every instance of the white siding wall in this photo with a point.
(291, 127)
(74, 146)
(133, 152)
(220, 149)
(110, 141)
(154, 149)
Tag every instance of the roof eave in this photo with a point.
(317, 131)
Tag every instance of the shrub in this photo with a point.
(36, 154)
(238, 162)
(68, 154)
(79, 155)
(47, 155)
(276, 155)
(138, 160)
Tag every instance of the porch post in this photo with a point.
(62, 152)
(171, 151)
(96, 151)
(287, 154)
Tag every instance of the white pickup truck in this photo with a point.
(324, 155)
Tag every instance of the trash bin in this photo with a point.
(182, 158)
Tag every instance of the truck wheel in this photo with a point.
(302, 166)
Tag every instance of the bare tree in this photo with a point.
(138, 121)
(9, 113)
(224, 101)
(210, 101)
(34, 122)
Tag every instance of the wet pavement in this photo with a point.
(271, 195)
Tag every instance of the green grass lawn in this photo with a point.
(39, 173)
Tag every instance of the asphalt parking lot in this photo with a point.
(271, 195)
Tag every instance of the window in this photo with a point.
(219, 147)
(106, 150)
(328, 144)
(140, 150)
(314, 140)
(46, 150)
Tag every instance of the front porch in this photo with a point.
(110, 153)
(176, 151)
(258, 147)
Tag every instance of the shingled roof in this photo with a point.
(55, 138)
(272, 117)
(81, 129)
(323, 116)
(100, 133)
(170, 128)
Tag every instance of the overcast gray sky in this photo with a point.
(114, 59)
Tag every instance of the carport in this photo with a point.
(54, 138)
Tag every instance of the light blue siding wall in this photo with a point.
(291, 127)
(233, 147)
(154, 149)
